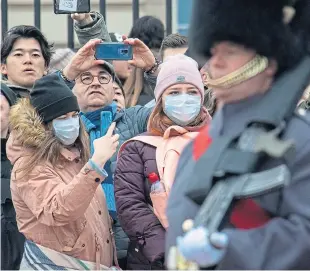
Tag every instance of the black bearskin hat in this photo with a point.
(256, 24)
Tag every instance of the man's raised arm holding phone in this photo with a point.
(89, 26)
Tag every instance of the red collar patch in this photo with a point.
(201, 143)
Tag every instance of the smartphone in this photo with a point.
(71, 6)
(113, 51)
(106, 121)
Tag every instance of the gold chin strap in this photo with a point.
(257, 65)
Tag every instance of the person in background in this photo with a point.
(150, 31)
(173, 44)
(209, 97)
(25, 57)
(119, 94)
(12, 241)
(94, 91)
(179, 83)
(60, 59)
(60, 206)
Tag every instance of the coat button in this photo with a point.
(99, 212)
(97, 180)
(83, 245)
(108, 241)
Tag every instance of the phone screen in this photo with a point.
(71, 6)
(113, 51)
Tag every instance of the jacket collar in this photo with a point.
(18, 90)
(87, 117)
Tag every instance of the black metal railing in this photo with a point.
(37, 13)
(102, 7)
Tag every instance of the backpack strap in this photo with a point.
(168, 152)
(147, 139)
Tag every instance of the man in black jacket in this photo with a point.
(12, 241)
(25, 57)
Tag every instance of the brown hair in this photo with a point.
(133, 87)
(50, 147)
(135, 84)
(158, 122)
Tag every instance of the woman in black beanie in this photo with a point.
(60, 205)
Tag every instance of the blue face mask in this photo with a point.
(67, 130)
(182, 109)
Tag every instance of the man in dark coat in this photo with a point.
(250, 45)
(12, 241)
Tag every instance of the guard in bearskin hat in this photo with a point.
(256, 152)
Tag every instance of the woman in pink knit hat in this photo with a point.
(178, 115)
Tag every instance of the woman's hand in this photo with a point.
(83, 60)
(105, 147)
(142, 55)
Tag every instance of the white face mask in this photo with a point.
(182, 109)
(67, 130)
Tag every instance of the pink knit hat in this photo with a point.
(178, 69)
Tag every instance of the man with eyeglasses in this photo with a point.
(95, 93)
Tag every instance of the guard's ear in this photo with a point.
(272, 68)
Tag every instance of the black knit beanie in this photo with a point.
(52, 98)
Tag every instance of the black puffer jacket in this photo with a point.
(132, 194)
(12, 242)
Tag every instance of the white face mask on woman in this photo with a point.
(182, 109)
(67, 130)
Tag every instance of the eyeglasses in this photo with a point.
(87, 78)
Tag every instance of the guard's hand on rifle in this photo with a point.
(142, 55)
(83, 60)
(200, 247)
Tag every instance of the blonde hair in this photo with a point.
(133, 87)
